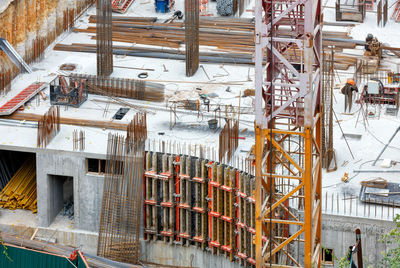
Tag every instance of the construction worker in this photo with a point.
(352, 250)
(372, 46)
(368, 39)
(347, 91)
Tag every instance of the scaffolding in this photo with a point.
(288, 133)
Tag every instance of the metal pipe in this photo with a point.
(384, 148)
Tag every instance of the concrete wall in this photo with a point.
(338, 233)
(56, 195)
(187, 256)
(88, 189)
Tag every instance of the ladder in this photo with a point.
(121, 6)
(396, 12)
(21, 98)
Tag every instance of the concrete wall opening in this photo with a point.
(61, 197)
(18, 180)
(96, 166)
(327, 256)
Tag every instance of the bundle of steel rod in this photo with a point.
(229, 24)
(48, 126)
(122, 195)
(124, 88)
(20, 192)
(195, 201)
(235, 35)
(228, 140)
(69, 121)
(104, 37)
(192, 36)
(175, 54)
(78, 140)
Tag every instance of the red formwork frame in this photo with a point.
(211, 185)
(177, 191)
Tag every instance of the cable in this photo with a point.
(392, 147)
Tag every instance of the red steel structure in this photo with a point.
(288, 132)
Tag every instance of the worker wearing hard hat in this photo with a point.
(347, 90)
(372, 46)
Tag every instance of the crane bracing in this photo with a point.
(288, 62)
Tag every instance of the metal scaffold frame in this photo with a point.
(288, 133)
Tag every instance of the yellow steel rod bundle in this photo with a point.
(20, 191)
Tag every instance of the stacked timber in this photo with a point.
(20, 192)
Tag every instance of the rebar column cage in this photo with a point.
(288, 132)
(192, 36)
(104, 38)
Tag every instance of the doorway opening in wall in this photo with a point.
(327, 256)
(61, 206)
(18, 180)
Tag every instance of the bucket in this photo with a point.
(213, 124)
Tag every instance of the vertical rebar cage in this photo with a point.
(123, 194)
(192, 36)
(104, 38)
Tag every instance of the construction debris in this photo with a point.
(121, 6)
(375, 183)
(68, 67)
(20, 192)
(68, 209)
(396, 12)
(70, 91)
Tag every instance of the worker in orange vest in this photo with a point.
(347, 90)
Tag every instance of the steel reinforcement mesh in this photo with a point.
(122, 194)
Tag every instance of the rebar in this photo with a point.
(228, 140)
(122, 194)
(192, 36)
(104, 38)
(124, 88)
(78, 140)
(35, 50)
(48, 126)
